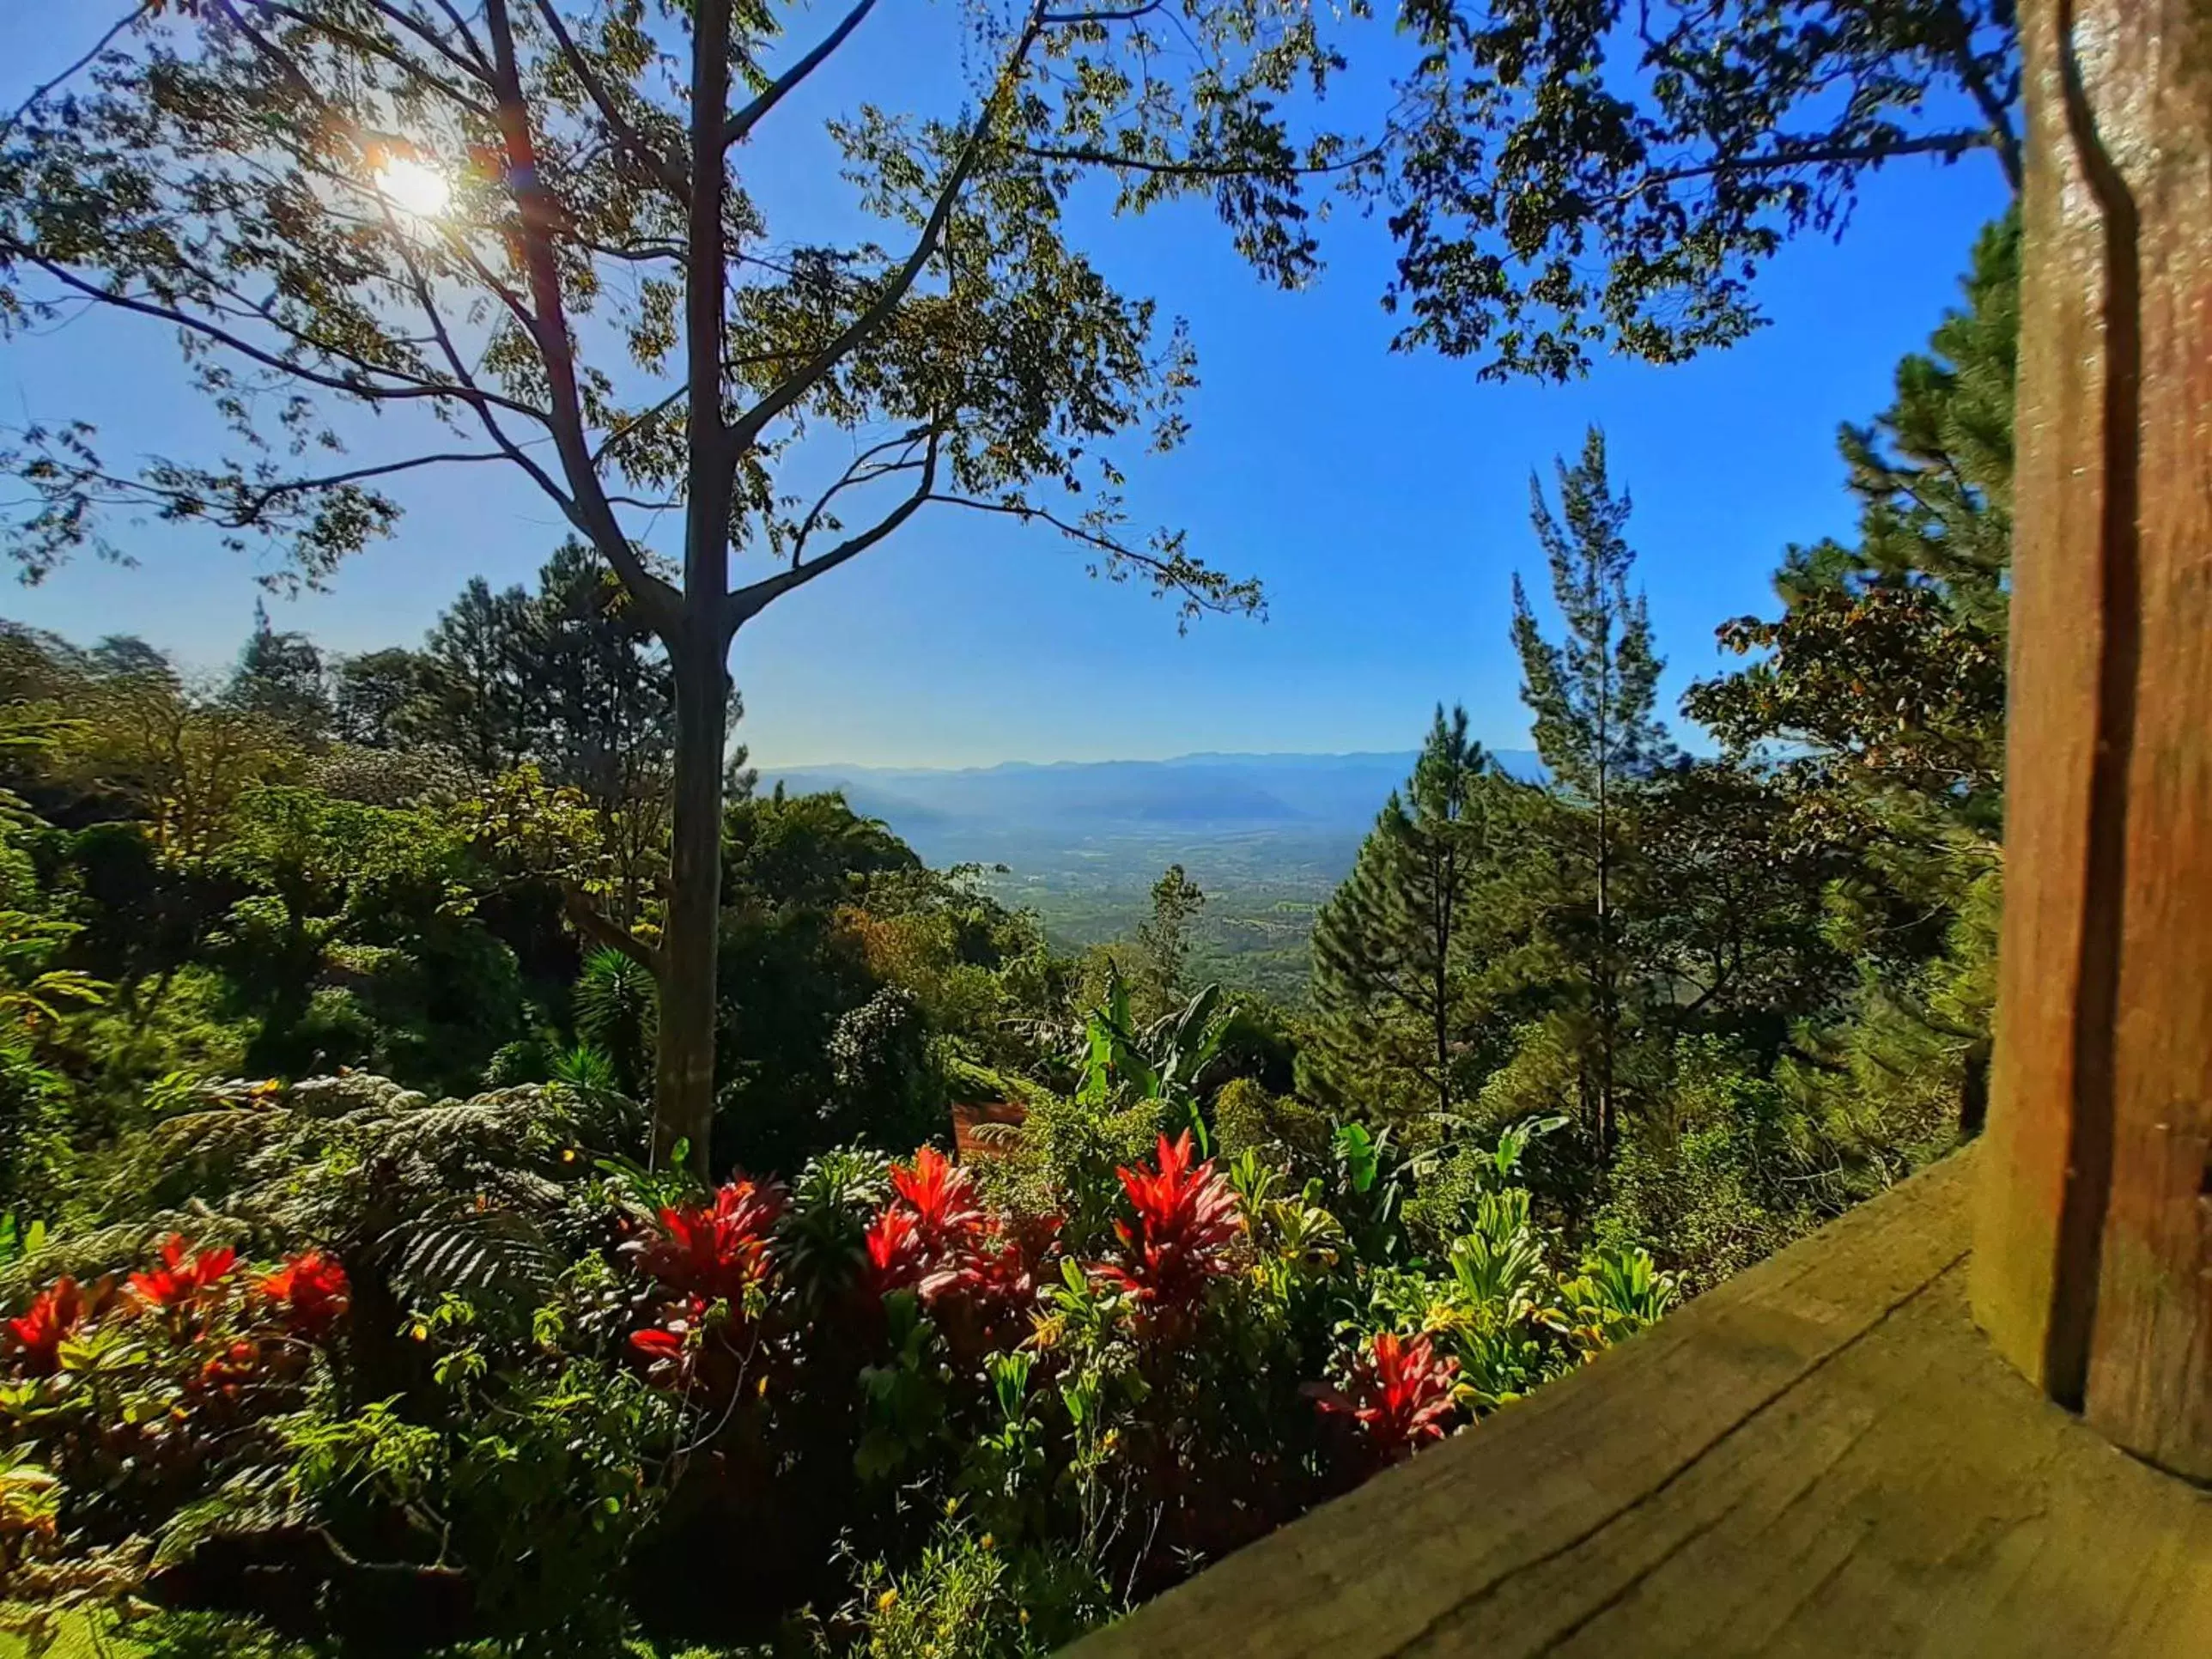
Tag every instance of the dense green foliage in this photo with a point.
(1759, 986)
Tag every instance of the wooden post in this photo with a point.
(2092, 1261)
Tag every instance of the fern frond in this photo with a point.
(493, 1254)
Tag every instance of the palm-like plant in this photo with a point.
(1618, 1292)
(617, 1012)
(1163, 1060)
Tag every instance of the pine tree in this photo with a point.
(280, 677)
(1593, 698)
(1393, 981)
(475, 653)
(1885, 679)
(1163, 938)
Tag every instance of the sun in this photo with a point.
(414, 187)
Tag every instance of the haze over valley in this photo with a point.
(1266, 836)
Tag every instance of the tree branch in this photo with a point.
(1132, 15)
(741, 125)
(747, 430)
(643, 417)
(2003, 137)
(596, 926)
(470, 63)
(411, 386)
(1949, 144)
(443, 337)
(1191, 169)
(666, 170)
(852, 475)
(475, 52)
(264, 493)
(656, 599)
(399, 60)
(747, 603)
(39, 92)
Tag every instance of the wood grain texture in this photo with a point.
(2056, 896)
(2150, 1378)
(1821, 1456)
(2092, 1270)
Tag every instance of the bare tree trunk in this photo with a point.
(683, 1081)
(698, 648)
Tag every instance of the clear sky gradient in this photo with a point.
(1382, 499)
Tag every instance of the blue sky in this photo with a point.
(1382, 498)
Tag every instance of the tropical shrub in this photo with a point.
(544, 1395)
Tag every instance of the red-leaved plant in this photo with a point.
(942, 1198)
(1400, 1395)
(35, 1336)
(719, 1249)
(186, 1279)
(1179, 1238)
(896, 1257)
(309, 1295)
(977, 1273)
(665, 1348)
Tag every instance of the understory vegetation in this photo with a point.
(349, 1308)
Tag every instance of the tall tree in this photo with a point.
(1394, 984)
(1876, 705)
(478, 678)
(1163, 938)
(280, 678)
(601, 715)
(1593, 697)
(380, 699)
(1886, 672)
(523, 223)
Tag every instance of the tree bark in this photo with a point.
(2092, 1252)
(699, 644)
(683, 1081)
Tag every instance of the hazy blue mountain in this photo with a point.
(969, 813)
(1268, 837)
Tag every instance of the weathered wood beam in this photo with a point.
(2093, 1262)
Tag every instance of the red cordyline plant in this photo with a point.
(927, 1236)
(978, 1273)
(897, 1259)
(56, 1313)
(186, 1278)
(719, 1249)
(665, 1348)
(1001, 1267)
(1180, 1236)
(942, 1197)
(1401, 1395)
(309, 1294)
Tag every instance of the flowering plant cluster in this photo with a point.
(125, 1398)
(1106, 1365)
(194, 1296)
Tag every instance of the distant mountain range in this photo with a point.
(1080, 842)
(1000, 812)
